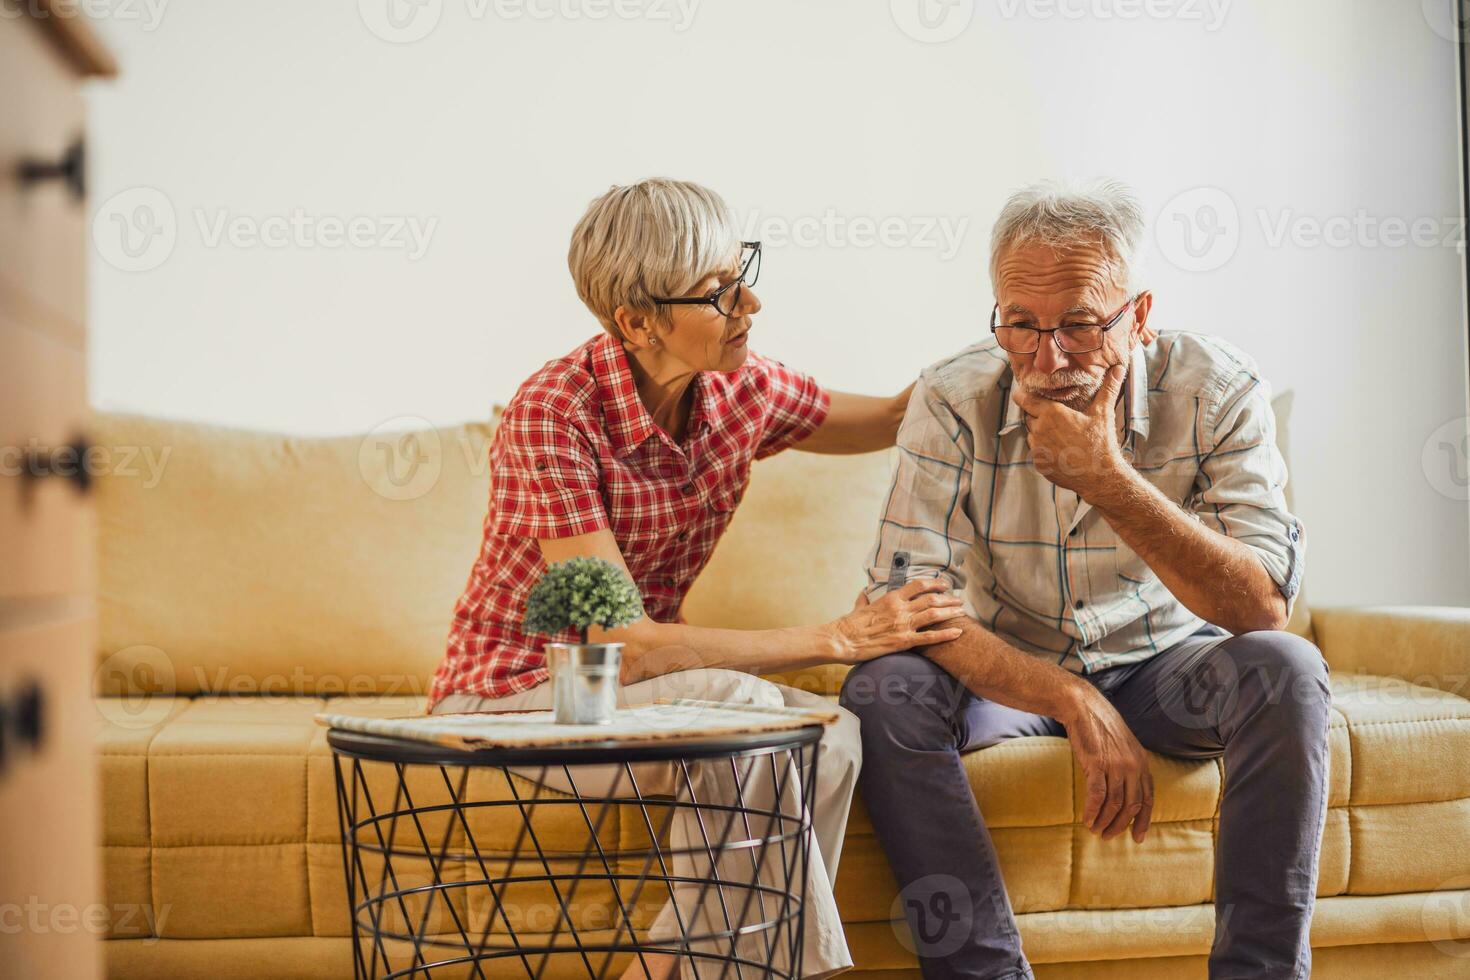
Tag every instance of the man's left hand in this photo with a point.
(1076, 450)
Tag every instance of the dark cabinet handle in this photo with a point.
(29, 716)
(68, 462)
(71, 170)
(22, 721)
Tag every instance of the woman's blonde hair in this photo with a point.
(657, 237)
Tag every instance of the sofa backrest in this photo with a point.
(257, 563)
(239, 562)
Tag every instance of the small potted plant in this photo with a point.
(577, 594)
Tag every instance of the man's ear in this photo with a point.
(1141, 307)
(636, 328)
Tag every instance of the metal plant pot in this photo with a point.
(584, 681)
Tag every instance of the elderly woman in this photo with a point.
(636, 447)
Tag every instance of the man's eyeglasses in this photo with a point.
(1079, 338)
(726, 299)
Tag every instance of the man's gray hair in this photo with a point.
(1063, 215)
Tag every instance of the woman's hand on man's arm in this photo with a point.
(919, 614)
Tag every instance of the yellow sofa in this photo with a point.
(248, 579)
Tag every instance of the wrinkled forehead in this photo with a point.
(1046, 281)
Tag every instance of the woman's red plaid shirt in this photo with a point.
(577, 452)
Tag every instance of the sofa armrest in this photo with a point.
(1428, 645)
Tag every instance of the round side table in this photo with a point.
(558, 861)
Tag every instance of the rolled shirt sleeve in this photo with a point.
(796, 406)
(1241, 489)
(925, 530)
(547, 483)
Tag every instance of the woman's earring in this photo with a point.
(652, 341)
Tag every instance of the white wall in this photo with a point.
(499, 128)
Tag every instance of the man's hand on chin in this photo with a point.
(1077, 450)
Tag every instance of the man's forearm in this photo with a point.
(993, 669)
(1215, 576)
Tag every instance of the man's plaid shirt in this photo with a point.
(577, 452)
(1046, 572)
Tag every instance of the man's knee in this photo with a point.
(900, 691)
(1287, 670)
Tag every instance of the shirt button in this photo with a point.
(683, 535)
(687, 489)
(1073, 532)
(669, 583)
(540, 464)
(1077, 604)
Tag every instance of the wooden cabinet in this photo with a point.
(51, 912)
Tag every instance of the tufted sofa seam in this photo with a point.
(306, 832)
(229, 843)
(147, 755)
(228, 755)
(1367, 806)
(1076, 839)
(1406, 721)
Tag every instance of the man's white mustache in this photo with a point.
(1038, 383)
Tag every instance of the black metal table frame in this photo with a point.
(796, 747)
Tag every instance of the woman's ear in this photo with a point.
(635, 328)
(1141, 307)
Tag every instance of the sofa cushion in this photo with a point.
(247, 785)
(249, 563)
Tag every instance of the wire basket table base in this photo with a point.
(554, 863)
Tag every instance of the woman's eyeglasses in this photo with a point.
(726, 299)
(1077, 338)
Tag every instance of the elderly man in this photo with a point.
(1108, 501)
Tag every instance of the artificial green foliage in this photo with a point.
(582, 592)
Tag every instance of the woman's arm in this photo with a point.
(900, 620)
(858, 424)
